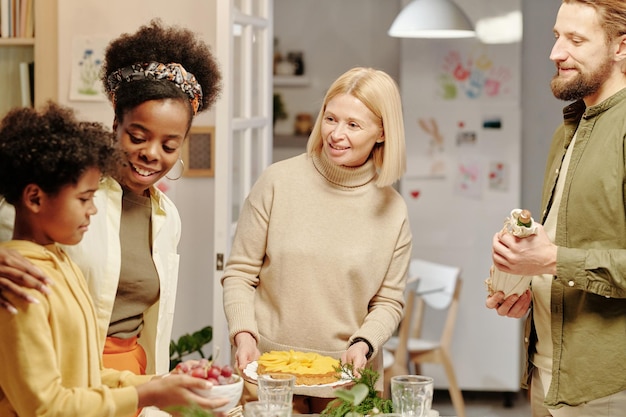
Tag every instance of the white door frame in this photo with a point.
(243, 129)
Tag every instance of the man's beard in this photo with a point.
(582, 85)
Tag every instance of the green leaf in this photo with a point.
(204, 335)
(173, 348)
(189, 411)
(186, 343)
(346, 395)
(359, 392)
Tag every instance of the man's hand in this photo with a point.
(17, 273)
(513, 306)
(532, 255)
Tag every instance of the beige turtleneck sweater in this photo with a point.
(319, 257)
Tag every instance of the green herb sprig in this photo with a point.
(189, 411)
(362, 399)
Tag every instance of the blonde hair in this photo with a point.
(380, 94)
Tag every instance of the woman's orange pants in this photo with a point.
(124, 355)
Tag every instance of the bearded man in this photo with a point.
(576, 308)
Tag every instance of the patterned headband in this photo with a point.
(157, 71)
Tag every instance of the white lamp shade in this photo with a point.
(432, 19)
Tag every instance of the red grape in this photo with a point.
(217, 375)
(199, 373)
(227, 371)
(214, 371)
(182, 368)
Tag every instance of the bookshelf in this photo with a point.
(42, 49)
(17, 41)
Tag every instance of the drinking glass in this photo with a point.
(266, 409)
(276, 387)
(412, 395)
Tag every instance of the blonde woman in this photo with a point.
(323, 243)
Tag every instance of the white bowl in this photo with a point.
(231, 391)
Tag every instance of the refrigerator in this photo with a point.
(461, 108)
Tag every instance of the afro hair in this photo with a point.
(156, 42)
(51, 148)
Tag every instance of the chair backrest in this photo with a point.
(436, 283)
(437, 286)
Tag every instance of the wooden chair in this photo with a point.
(435, 286)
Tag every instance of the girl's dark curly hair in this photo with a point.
(52, 149)
(158, 43)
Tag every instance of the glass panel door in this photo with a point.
(243, 128)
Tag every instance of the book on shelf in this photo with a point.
(27, 83)
(4, 18)
(29, 25)
(16, 19)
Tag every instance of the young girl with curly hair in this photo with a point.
(50, 170)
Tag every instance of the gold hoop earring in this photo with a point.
(182, 170)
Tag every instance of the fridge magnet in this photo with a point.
(199, 152)
(468, 182)
(87, 58)
(492, 123)
(498, 176)
(466, 138)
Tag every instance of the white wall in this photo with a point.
(335, 35)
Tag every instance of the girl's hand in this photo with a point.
(176, 390)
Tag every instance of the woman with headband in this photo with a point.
(157, 79)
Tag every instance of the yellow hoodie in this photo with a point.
(50, 358)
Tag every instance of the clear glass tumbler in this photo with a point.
(412, 395)
(276, 388)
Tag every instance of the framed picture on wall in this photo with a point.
(199, 152)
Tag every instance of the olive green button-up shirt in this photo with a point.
(588, 295)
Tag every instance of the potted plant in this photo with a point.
(279, 108)
(188, 344)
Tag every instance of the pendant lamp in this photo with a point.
(432, 19)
